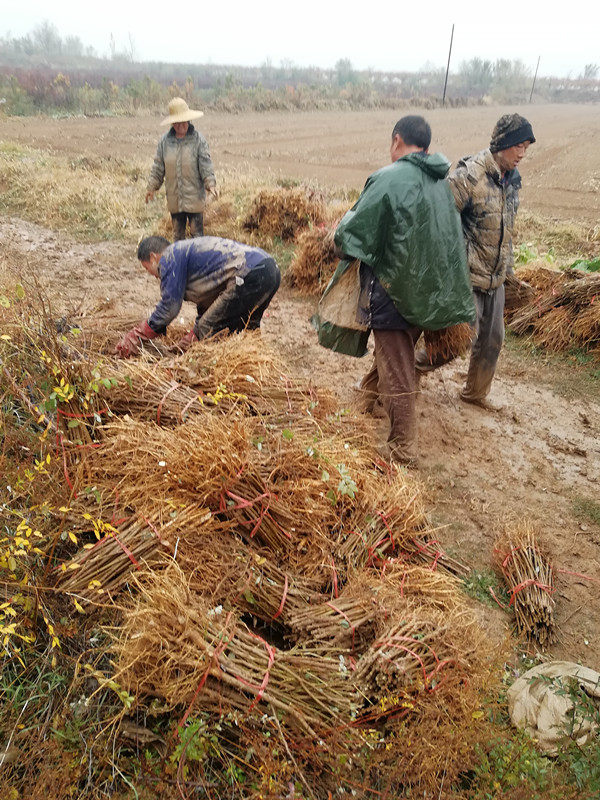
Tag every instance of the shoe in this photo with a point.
(396, 456)
(482, 402)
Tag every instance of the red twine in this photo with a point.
(283, 598)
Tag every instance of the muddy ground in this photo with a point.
(561, 174)
(533, 460)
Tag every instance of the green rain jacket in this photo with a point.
(406, 228)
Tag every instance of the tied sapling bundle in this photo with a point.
(529, 577)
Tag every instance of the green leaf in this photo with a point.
(287, 433)
(19, 291)
(324, 475)
(72, 423)
(249, 597)
(587, 265)
(4, 301)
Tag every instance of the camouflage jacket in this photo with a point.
(185, 166)
(487, 203)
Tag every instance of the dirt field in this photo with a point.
(561, 174)
(537, 458)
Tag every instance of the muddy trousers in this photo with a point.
(243, 302)
(392, 380)
(180, 220)
(489, 336)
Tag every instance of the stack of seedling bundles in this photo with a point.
(314, 260)
(267, 570)
(564, 314)
(284, 212)
(273, 571)
(261, 571)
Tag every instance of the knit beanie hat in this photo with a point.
(511, 129)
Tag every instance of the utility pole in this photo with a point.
(534, 77)
(448, 66)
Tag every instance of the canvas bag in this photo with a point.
(336, 317)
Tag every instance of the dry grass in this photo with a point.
(566, 239)
(94, 199)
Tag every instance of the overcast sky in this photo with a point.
(372, 33)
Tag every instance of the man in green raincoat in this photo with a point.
(406, 233)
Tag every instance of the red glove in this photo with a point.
(130, 344)
(186, 341)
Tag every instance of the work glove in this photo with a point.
(130, 344)
(186, 341)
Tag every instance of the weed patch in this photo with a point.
(484, 585)
(586, 509)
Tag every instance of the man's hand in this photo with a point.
(149, 196)
(212, 191)
(130, 344)
(186, 341)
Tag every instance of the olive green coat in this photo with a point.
(185, 166)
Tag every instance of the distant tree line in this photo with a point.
(42, 72)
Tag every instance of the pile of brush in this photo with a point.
(529, 577)
(391, 649)
(565, 314)
(284, 212)
(314, 260)
(277, 573)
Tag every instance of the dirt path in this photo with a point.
(530, 461)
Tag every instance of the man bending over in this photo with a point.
(231, 283)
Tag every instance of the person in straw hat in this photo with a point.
(183, 162)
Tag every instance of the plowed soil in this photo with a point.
(561, 174)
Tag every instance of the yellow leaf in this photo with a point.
(78, 607)
(88, 546)
(477, 714)
(73, 565)
(6, 337)
(72, 537)
(64, 509)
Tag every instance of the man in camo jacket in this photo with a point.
(486, 190)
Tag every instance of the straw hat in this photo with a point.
(180, 112)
